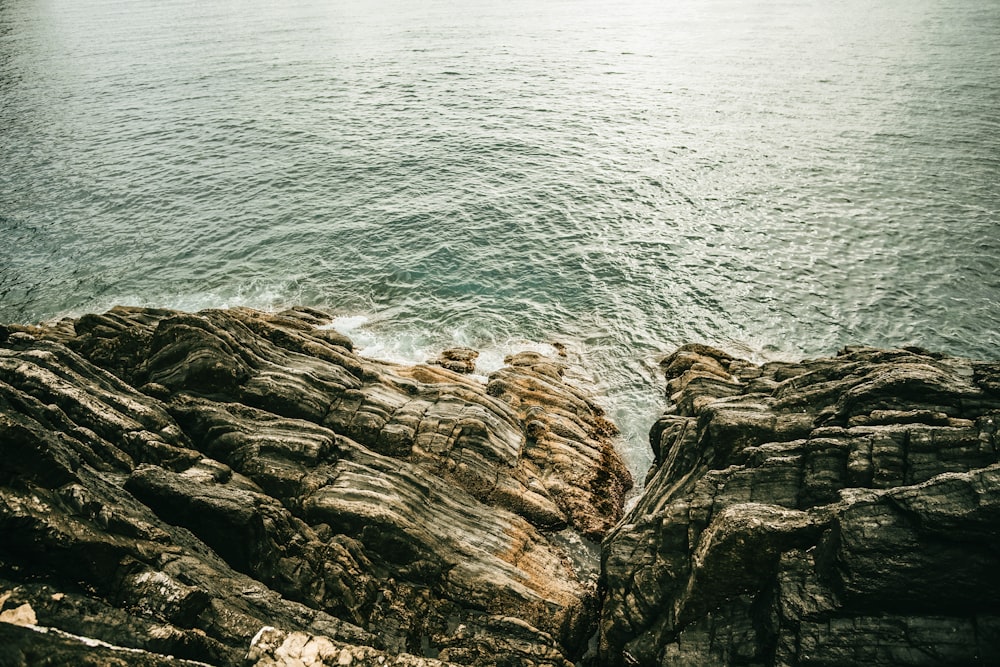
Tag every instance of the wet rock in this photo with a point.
(836, 511)
(457, 359)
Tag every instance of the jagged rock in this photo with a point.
(237, 487)
(276, 648)
(171, 483)
(457, 359)
(837, 511)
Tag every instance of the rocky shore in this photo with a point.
(839, 511)
(240, 488)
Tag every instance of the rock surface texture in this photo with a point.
(240, 488)
(237, 487)
(840, 511)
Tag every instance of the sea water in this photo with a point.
(775, 177)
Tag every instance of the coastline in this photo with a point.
(241, 487)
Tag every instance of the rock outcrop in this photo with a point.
(236, 487)
(240, 488)
(839, 511)
(458, 359)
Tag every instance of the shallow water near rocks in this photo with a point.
(777, 178)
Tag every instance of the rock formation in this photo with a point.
(238, 487)
(458, 359)
(839, 511)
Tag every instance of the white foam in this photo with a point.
(492, 358)
(411, 347)
(346, 324)
(403, 348)
(393, 346)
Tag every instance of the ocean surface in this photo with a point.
(776, 177)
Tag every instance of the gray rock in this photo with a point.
(236, 487)
(837, 511)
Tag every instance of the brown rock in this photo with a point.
(457, 359)
(266, 475)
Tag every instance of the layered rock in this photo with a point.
(240, 488)
(458, 359)
(829, 512)
(234, 483)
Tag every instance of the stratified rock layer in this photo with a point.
(839, 511)
(239, 487)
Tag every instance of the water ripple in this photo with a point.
(775, 178)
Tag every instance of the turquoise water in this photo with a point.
(775, 177)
